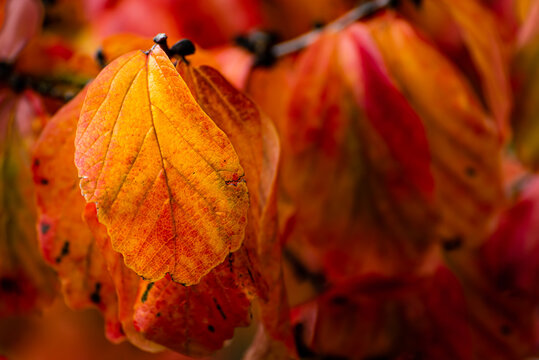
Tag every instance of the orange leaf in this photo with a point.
(480, 32)
(465, 148)
(166, 180)
(193, 320)
(256, 142)
(66, 242)
(125, 281)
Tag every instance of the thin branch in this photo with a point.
(355, 14)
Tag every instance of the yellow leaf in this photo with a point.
(166, 180)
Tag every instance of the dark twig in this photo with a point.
(60, 88)
(266, 51)
(362, 11)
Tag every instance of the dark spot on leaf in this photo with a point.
(452, 243)
(45, 227)
(36, 162)
(145, 295)
(505, 329)
(211, 328)
(470, 171)
(95, 297)
(44, 181)
(65, 249)
(9, 285)
(318, 24)
(219, 308)
(158, 314)
(64, 252)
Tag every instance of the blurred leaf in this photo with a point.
(356, 194)
(26, 283)
(480, 33)
(22, 22)
(398, 318)
(114, 46)
(206, 22)
(465, 148)
(66, 242)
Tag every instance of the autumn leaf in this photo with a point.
(510, 254)
(193, 320)
(529, 14)
(342, 169)
(394, 317)
(499, 314)
(66, 242)
(125, 280)
(16, 32)
(166, 180)
(200, 329)
(525, 73)
(235, 64)
(255, 139)
(26, 284)
(467, 172)
(472, 27)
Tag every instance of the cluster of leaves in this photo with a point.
(370, 192)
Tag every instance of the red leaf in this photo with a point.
(66, 242)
